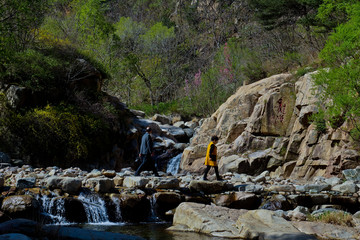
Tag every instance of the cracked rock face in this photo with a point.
(273, 115)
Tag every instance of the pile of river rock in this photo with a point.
(241, 206)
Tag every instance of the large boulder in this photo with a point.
(134, 207)
(164, 183)
(238, 200)
(67, 184)
(88, 78)
(162, 119)
(212, 220)
(100, 184)
(208, 187)
(265, 224)
(18, 96)
(327, 231)
(352, 174)
(273, 112)
(165, 201)
(176, 132)
(234, 164)
(193, 157)
(28, 182)
(135, 182)
(21, 206)
(241, 105)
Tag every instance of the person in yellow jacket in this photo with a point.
(210, 159)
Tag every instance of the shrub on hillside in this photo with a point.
(34, 70)
(58, 136)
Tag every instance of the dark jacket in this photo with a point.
(146, 146)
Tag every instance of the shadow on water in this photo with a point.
(150, 231)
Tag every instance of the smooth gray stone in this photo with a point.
(26, 182)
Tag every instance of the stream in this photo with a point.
(150, 231)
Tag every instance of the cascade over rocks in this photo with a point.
(233, 208)
(266, 126)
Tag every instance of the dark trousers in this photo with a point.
(147, 162)
(216, 172)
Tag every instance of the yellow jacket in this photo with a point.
(211, 152)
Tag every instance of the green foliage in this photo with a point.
(319, 121)
(340, 85)
(90, 19)
(254, 71)
(344, 42)
(18, 20)
(331, 217)
(273, 14)
(166, 108)
(233, 65)
(129, 32)
(246, 64)
(292, 59)
(146, 55)
(303, 70)
(33, 70)
(59, 135)
(331, 13)
(157, 39)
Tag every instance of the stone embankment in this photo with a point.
(241, 206)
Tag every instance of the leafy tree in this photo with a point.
(19, 21)
(145, 53)
(273, 14)
(340, 83)
(331, 13)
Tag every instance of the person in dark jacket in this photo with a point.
(146, 154)
(210, 159)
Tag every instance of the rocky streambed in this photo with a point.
(241, 206)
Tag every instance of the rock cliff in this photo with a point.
(266, 126)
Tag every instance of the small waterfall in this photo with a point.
(174, 164)
(94, 207)
(53, 209)
(153, 217)
(118, 214)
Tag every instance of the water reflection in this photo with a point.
(151, 231)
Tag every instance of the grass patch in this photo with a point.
(336, 217)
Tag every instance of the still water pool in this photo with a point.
(151, 231)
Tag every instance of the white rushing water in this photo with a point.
(95, 208)
(54, 209)
(174, 164)
(118, 215)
